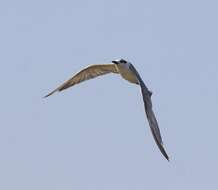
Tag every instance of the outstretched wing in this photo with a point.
(86, 74)
(146, 94)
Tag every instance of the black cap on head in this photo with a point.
(115, 62)
(119, 61)
(123, 61)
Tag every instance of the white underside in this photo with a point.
(126, 73)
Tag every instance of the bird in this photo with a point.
(129, 73)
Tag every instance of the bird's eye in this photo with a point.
(123, 61)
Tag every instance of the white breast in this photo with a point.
(126, 73)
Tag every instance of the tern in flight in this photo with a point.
(128, 72)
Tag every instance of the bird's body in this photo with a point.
(126, 73)
(129, 73)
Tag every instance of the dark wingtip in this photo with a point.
(167, 157)
(45, 96)
(48, 95)
(161, 147)
(164, 153)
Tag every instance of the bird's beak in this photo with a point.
(115, 62)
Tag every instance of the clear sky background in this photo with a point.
(95, 136)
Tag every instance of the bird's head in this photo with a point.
(119, 61)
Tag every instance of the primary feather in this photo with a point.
(146, 94)
(89, 72)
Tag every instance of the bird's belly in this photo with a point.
(128, 75)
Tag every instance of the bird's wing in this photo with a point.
(86, 74)
(146, 94)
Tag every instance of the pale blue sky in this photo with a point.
(95, 136)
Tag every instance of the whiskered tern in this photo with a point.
(128, 72)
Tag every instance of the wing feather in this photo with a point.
(89, 72)
(146, 94)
